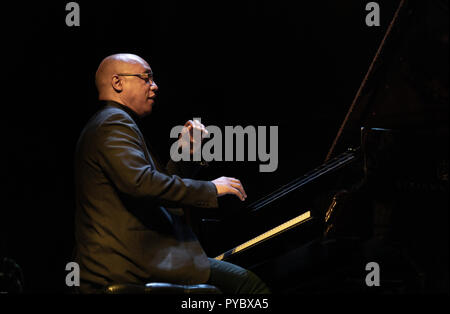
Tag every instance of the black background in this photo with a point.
(293, 64)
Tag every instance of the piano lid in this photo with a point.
(407, 86)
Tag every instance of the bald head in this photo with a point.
(117, 63)
(134, 92)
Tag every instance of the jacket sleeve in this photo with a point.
(122, 158)
(185, 169)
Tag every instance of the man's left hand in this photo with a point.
(195, 131)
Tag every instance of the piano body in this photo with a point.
(380, 196)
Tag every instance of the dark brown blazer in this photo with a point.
(127, 227)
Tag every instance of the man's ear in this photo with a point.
(116, 83)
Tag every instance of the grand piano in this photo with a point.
(381, 193)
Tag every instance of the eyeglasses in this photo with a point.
(147, 77)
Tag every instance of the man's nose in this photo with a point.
(154, 87)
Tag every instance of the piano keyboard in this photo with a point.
(266, 235)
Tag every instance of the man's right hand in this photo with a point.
(225, 185)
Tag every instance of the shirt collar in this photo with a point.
(128, 110)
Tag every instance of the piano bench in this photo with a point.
(160, 288)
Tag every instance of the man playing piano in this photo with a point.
(129, 226)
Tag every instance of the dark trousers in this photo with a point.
(233, 279)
